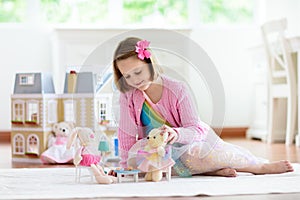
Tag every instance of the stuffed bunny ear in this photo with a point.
(55, 127)
(72, 138)
(72, 125)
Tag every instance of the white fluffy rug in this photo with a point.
(59, 183)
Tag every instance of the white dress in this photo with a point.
(58, 152)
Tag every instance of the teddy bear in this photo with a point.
(156, 157)
(56, 151)
(87, 154)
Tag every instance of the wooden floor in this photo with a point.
(273, 152)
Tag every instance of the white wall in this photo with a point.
(28, 49)
(229, 50)
(22, 49)
(284, 8)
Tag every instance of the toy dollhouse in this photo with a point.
(35, 107)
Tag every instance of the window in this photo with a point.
(143, 13)
(226, 11)
(104, 109)
(32, 111)
(26, 79)
(18, 111)
(33, 144)
(105, 12)
(74, 11)
(52, 111)
(18, 144)
(69, 111)
(12, 11)
(153, 12)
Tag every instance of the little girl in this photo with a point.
(150, 100)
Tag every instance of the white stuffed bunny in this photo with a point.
(87, 153)
(86, 146)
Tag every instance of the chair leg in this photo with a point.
(291, 121)
(119, 176)
(91, 174)
(270, 127)
(77, 174)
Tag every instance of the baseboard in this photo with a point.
(226, 132)
(232, 132)
(4, 136)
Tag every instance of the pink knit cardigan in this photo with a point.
(175, 105)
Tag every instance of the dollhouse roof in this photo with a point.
(33, 83)
(87, 82)
(105, 79)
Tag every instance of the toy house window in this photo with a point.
(19, 144)
(69, 111)
(104, 108)
(52, 111)
(18, 112)
(26, 79)
(32, 112)
(103, 113)
(32, 144)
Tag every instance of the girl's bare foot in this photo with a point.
(226, 172)
(276, 167)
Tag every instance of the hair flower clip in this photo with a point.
(141, 49)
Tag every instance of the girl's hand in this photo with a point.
(172, 134)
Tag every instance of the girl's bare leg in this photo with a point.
(226, 172)
(269, 168)
(277, 167)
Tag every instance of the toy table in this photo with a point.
(122, 173)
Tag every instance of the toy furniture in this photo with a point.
(122, 172)
(78, 174)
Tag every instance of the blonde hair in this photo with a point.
(126, 49)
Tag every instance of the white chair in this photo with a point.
(79, 174)
(282, 84)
